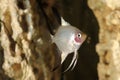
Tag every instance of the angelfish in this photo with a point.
(68, 40)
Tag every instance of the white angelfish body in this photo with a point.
(69, 39)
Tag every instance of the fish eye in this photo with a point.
(79, 35)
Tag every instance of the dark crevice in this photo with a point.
(104, 58)
(51, 25)
(23, 23)
(35, 70)
(20, 4)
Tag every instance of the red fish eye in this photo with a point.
(79, 35)
(78, 38)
